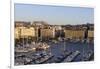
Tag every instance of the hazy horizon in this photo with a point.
(54, 15)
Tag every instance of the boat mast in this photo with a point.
(64, 45)
(23, 36)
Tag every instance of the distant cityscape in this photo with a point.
(39, 42)
(41, 29)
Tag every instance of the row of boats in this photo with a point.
(45, 57)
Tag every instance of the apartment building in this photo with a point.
(90, 34)
(24, 32)
(74, 34)
(48, 33)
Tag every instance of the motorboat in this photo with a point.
(62, 56)
(71, 57)
(44, 58)
(88, 56)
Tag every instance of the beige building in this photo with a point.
(24, 32)
(77, 34)
(16, 33)
(90, 34)
(48, 33)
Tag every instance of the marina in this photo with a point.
(61, 51)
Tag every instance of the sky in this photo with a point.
(54, 15)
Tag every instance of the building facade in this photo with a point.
(74, 34)
(24, 32)
(48, 33)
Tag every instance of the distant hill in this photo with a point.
(39, 23)
(22, 23)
